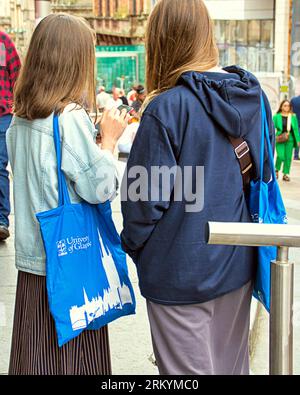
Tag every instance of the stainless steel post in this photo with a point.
(282, 280)
(281, 314)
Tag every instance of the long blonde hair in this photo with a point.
(59, 68)
(179, 38)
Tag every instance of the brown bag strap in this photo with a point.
(242, 152)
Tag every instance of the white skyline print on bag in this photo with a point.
(115, 296)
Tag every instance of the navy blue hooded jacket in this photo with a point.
(189, 125)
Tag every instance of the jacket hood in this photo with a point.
(232, 99)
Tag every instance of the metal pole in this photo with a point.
(282, 280)
(281, 314)
(251, 234)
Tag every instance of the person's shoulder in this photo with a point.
(295, 99)
(5, 39)
(171, 96)
(169, 102)
(74, 109)
(277, 117)
(74, 113)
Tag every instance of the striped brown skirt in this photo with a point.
(34, 348)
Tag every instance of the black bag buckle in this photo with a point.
(242, 150)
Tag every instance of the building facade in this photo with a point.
(83, 8)
(120, 22)
(253, 33)
(260, 35)
(295, 46)
(17, 18)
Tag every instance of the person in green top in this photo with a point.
(285, 121)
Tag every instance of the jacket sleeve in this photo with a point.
(92, 171)
(13, 62)
(275, 121)
(143, 199)
(296, 129)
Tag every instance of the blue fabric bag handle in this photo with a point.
(63, 193)
(86, 273)
(265, 134)
(266, 206)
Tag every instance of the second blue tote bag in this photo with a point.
(266, 206)
(86, 271)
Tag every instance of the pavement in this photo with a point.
(130, 338)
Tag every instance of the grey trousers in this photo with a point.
(203, 339)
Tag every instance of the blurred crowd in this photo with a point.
(134, 101)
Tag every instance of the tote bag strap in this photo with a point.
(265, 135)
(63, 194)
(242, 152)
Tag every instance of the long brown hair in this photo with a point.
(59, 68)
(281, 105)
(179, 38)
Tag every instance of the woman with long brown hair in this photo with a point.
(287, 138)
(198, 122)
(58, 76)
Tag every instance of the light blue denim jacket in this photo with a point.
(91, 175)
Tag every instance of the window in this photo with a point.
(267, 34)
(248, 43)
(241, 32)
(254, 33)
(134, 7)
(220, 31)
(230, 32)
(107, 10)
(100, 8)
(116, 6)
(295, 50)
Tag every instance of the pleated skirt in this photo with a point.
(34, 348)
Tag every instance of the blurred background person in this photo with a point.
(131, 96)
(295, 102)
(140, 98)
(123, 97)
(285, 121)
(126, 140)
(102, 99)
(9, 67)
(114, 101)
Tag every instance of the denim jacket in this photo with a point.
(91, 175)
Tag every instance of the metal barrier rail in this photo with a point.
(282, 280)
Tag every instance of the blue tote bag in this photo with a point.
(266, 206)
(86, 271)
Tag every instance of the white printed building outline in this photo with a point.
(115, 296)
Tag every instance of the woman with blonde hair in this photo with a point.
(198, 124)
(57, 78)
